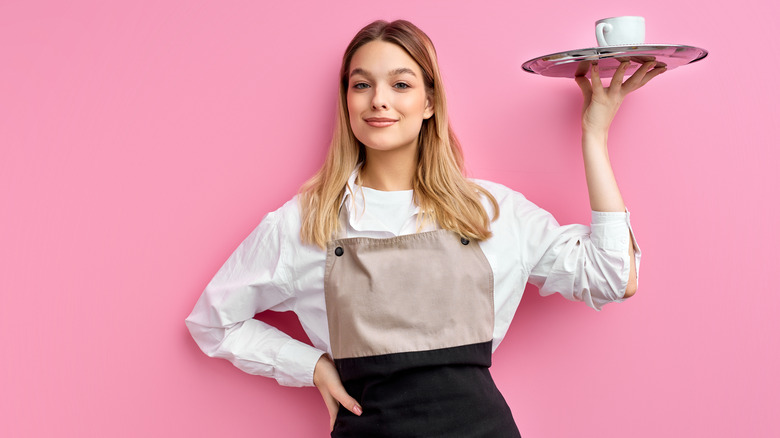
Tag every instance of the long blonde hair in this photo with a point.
(441, 189)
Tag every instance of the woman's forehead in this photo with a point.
(381, 58)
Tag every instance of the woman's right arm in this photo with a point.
(255, 278)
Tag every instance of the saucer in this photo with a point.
(576, 62)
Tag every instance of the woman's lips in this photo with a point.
(380, 122)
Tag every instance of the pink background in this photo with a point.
(142, 142)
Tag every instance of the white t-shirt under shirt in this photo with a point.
(391, 209)
(273, 270)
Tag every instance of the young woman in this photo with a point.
(405, 274)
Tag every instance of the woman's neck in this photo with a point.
(389, 170)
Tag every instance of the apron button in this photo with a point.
(339, 251)
(464, 241)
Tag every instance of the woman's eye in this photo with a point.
(402, 85)
(361, 85)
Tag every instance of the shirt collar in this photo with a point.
(350, 187)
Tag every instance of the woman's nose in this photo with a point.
(379, 101)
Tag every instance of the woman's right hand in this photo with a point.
(327, 380)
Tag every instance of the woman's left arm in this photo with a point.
(598, 110)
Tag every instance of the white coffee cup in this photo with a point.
(620, 31)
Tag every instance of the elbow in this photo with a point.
(630, 289)
(632, 280)
(208, 339)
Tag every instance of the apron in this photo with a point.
(411, 327)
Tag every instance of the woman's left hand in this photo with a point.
(601, 104)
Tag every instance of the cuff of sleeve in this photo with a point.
(611, 230)
(298, 361)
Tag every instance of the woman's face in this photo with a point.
(386, 97)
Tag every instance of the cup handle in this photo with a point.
(601, 29)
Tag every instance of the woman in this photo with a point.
(405, 274)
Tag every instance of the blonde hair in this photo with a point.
(441, 189)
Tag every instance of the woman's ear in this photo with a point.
(428, 109)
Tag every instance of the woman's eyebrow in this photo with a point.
(402, 70)
(394, 72)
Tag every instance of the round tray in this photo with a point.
(577, 62)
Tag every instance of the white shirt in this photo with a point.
(273, 270)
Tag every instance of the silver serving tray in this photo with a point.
(577, 62)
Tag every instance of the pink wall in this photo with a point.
(142, 142)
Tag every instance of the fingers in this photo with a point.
(596, 78)
(333, 408)
(617, 78)
(584, 84)
(640, 77)
(339, 393)
(653, 73)
(338, 396)
(637, 79)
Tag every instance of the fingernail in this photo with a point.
(357, 410)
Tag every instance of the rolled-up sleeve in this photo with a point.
(589, 264)
(255, 278)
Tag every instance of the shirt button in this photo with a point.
(339, 251)
(464, 241)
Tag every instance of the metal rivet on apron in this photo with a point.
(339, 251)
(464, 241)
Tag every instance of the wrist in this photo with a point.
(594, 135)
(321, 363)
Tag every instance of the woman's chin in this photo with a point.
(386, 146)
